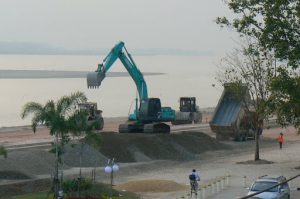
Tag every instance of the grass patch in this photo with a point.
(99, 191)
(39, 195)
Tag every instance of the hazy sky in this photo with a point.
(141, 24)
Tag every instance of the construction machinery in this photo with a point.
(188, 112)
(94, 115)
(232, 117)
(149, 116)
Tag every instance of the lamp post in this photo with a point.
(110, 168)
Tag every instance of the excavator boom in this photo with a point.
(94, 79)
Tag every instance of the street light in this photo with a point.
(110, 168)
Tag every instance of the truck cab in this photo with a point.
(187, 104)
(188, 112)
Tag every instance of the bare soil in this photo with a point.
(151, 186)
(256, 162)
(147, 147)
(164, 159)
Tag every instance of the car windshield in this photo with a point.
(259, 186)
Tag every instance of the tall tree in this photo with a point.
(275, 24)
(249, 67)
(285, 97)
(56, 117)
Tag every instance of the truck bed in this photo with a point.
(227, 112)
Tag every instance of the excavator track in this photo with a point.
(144, 128)
(157, 128)
(131, 128)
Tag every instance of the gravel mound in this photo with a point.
(29, 162)
(123, 147)
(90, 156)
(13, 175)
(151, 186)
(146, 147)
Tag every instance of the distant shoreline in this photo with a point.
(48, 74)
(28, 126)
(207, 114)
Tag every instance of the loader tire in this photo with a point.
(99, 124)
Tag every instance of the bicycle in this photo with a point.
(194, 188)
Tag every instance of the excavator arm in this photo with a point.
(119, 51)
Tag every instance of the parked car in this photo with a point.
(264, 182)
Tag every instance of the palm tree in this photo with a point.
(3, 152)
(55, 116)
(82, 128)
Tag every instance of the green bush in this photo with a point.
(73, 185)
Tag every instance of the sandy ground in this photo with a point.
(210, 164)
(24, 135)
(217, 164)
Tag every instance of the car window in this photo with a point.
(285, 186)
(259, 186)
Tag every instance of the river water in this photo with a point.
(182, 76)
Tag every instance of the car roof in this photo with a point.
(267, 178)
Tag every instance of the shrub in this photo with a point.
(72, 185)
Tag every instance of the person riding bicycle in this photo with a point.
(194, 179)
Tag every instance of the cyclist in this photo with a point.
(194, 179)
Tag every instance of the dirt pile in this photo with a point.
(151, 186)
(28, 162)
(12, 175)
(143, 147)
(123, 147)
(31, 162)
(90, 156)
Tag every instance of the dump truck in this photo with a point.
(94, 115)
(188, 112)
(232, 117)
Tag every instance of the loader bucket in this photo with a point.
(94, 79)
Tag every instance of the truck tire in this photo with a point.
(238, 138)
(191, 118)
(99, 123)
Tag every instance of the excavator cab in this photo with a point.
(150, 109)
(187, 104)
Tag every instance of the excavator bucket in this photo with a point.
(94, 79)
